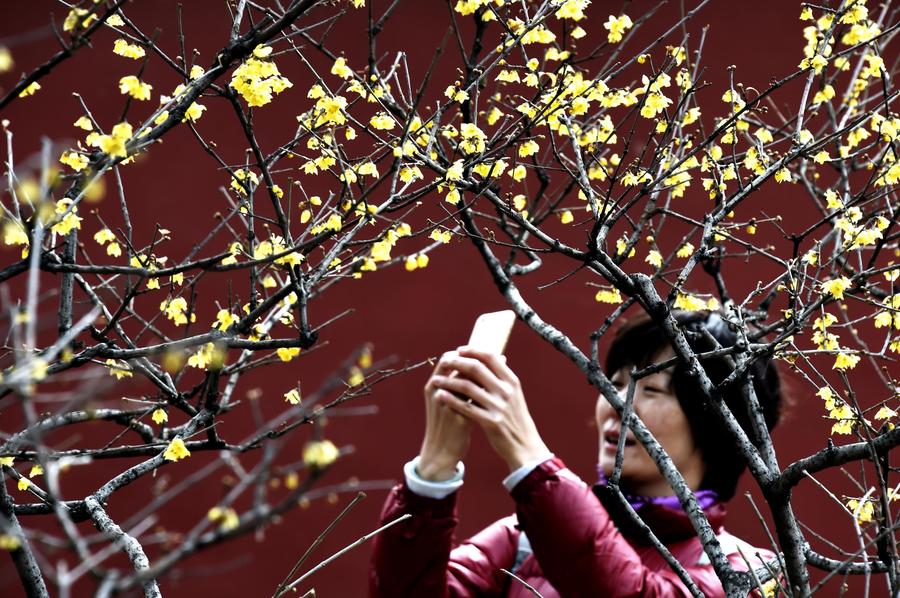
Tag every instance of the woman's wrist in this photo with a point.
(527, 455)
(436, 470)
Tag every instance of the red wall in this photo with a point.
(408, 316)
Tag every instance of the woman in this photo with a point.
(567, 539)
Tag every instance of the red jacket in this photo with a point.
(573, 547)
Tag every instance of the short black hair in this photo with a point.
(640, 340)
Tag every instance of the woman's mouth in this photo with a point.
(611, 440)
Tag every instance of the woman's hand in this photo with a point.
(498, 405)
(447, 433)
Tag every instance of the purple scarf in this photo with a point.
(706, 498)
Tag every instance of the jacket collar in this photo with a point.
(668, 523)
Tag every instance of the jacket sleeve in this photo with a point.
(417, 557)
(579, 548)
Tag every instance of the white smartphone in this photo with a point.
(491, 331)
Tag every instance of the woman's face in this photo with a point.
(658, 408)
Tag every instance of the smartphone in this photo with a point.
(491, 331)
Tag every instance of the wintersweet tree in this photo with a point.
(562, 149)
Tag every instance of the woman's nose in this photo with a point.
(604, 409)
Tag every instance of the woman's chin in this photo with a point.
(606, 464)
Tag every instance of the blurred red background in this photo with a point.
(407, 316)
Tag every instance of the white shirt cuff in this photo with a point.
(431, 489)
(510, 481)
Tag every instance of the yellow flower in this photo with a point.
(654, 258)
(176, 450)
(319, 453)
(114, 143)
(689, 302)
(224, 320)
(262, 51)
(441, 236)
(9, 542)
(287, 353)
(329, 110)
(193, 112)
(414, 262)
(821, 157)
(123, 48)
(115, 250)
(244, 181)
(8, 461)
(457, 95)
(782, 175)
(845, 361)
(764, 135)
(686, 250)
(175, 309)
(159, 416)
(341, 69)
(617, 27)
(473, 139)
(455, 172)
(257, 80)
(134, 87)
(885, 413)
(824, 95)
(864, 511)
(36, 469)
(70, 219)
(654, 104)
(209, 355)
(30, 90)
(227, 518)
(409, 174)
(518, 173)
(14, 233)
(382, 121)
(292, 396)
(836, 286)
(571, 9)
(6, 60)
(529, 148)
(78, 18)
(117, 369)
(566, 217)
(74, 160)
(103, 236)
(23, 484)
(84, 123)
(611, 295)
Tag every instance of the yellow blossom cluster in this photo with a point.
(381, 249)
(176, 450)
(175, 309)
(319, 454)
(838, 410)
(66, 216)
(227, 518)
(119, 369)
(114, 144)
(123, 48)
(258, 79)
(134, 87)
(104, 236)
(209, 355)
